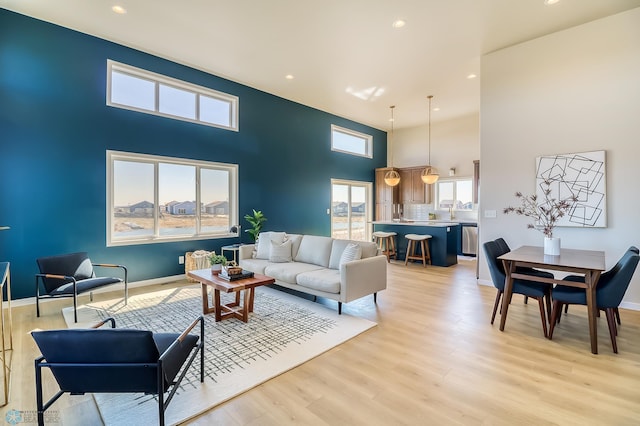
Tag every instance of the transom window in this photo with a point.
(155, 199)
(456, 194)
(144, 91)
(351, 142)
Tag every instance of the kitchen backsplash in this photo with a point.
(421, 212)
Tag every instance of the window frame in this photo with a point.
(156, 160)
(368, 141)
(159, 79)
(436, 201)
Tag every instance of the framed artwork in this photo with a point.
(581, 175)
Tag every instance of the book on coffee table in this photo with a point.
(234, 277)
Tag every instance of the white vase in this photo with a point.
(552, 246)
(216, 268)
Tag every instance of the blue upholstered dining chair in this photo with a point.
(610, 290)
(69, 275)
(111, 360)
(540, 292)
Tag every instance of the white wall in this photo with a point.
(454, 143)
(576, 90)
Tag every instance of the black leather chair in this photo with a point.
(540, 292)
(111, 360)
(610, 290)
(69, 275)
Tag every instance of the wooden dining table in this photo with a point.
(589, 263)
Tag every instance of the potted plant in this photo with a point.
(545, 212)
(256, 220)
(217, 262)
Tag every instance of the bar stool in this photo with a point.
(425, 254)
(386, 243)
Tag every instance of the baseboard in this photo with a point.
(488, 283)
(162, 280)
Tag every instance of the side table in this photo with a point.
(5, 278)
(235, 248)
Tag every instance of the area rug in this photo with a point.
(283, 332)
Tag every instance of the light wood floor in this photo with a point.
(433, 359)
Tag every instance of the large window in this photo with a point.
(456, 194)
(140, 90)
(194, 199)
(351, 142)
(351, 210)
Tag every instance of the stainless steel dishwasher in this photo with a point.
(469, 239)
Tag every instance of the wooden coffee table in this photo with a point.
(233, 309)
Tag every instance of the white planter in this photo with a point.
(216, 268)
(552, 246)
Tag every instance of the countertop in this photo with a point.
(432, 223)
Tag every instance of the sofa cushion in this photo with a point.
(264, 243)
(280, 252)
(352, 252)
(254, 265)
(295, 239)
(327, 280)
(369, 249)
(314, 249)
(287, 272)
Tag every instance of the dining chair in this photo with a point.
(610, 290)
(540, 292)
(603, 278)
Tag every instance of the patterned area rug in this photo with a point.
(283, 332)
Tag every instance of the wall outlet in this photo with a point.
(490, 213)
(180, 260)
(328, 211)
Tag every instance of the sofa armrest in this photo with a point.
(363, 277)
(245, 251)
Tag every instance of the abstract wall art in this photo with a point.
(581, 175)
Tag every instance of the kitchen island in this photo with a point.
(443, 244)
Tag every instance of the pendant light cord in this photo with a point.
(391, 144)
(429, 131)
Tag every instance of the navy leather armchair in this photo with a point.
(110, 360)
(69, 275)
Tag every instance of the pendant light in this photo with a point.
(391, 178)
(430, 174)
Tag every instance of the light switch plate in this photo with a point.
(490, 213)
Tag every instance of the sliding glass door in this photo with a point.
(351, 211)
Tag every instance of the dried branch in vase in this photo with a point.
(545, 212)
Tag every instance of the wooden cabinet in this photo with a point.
(412, 189)
(386, 196)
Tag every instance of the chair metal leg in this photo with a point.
(75, 307)
(375, 297)
(339, 308)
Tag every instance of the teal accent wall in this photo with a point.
(55, 129)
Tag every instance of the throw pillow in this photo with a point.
(351, 252)
(264, 243)
(280, 252)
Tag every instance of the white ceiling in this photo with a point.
(345, 56)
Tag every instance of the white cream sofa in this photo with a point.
(315, 266)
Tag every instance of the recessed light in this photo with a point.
(550, 2)
(398, 23)
(119, 10)
(289, 77)
(471, 76)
